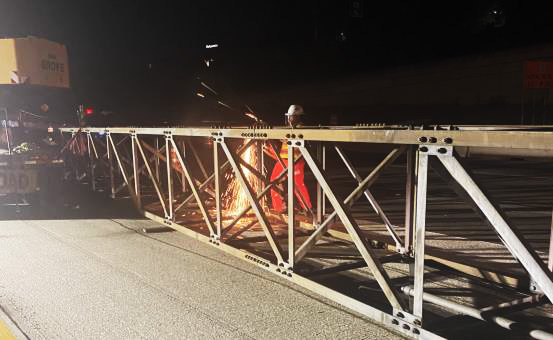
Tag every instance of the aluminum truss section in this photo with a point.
(511, 237)
(157, 194)
(262, 218)
(363, 186)
(355, 233)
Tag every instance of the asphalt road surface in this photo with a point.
(79, 267)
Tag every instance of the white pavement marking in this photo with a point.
(8, 329)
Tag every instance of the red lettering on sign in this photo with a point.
(538, 74)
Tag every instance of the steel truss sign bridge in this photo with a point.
(178, 177)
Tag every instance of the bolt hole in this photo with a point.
(442, 150)
(400, 315)
(395, 322)
(406, 327)
(423, 139)
(423, 149)
(416, 331)
(448, 140)
(432, 139)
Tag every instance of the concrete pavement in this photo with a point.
(103, 278)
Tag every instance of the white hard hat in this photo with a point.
(295, 110)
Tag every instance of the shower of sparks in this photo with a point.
(235, 199)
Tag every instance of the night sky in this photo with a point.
(138, 57)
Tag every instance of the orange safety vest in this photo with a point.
(284, 151)
(175, 160)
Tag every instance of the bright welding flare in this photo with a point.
(252, 116)
(225, 105)
(209, 88)
(235, 199)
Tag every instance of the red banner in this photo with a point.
(538, 74)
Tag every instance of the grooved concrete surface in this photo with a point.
(102, 278)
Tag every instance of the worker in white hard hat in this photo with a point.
(293, 116)
(293, 120)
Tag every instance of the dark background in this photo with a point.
(143, 59)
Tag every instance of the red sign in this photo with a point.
(538, 74)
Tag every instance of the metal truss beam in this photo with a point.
(371, 199)
(261, 217)
(222, 168)
(140, 173)
(124, 173)
(366, 183)
(481, 315)
(195, 189)
(354, 231)
(508, 139)
(152, 178)
(420, 231)
(259, 197)
(518, 247)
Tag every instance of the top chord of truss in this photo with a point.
(498, 136)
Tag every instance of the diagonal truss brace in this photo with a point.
(195, 189)
(159, 155)
(152, 177)
(354, 231)
(366, 183)
(141, 169)
(259, 197)
(261, 217)
(91, 144)
(197, 158)
(105, 157)
(211, 178)
(124, 173)
(518, 247)
(371, 199)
